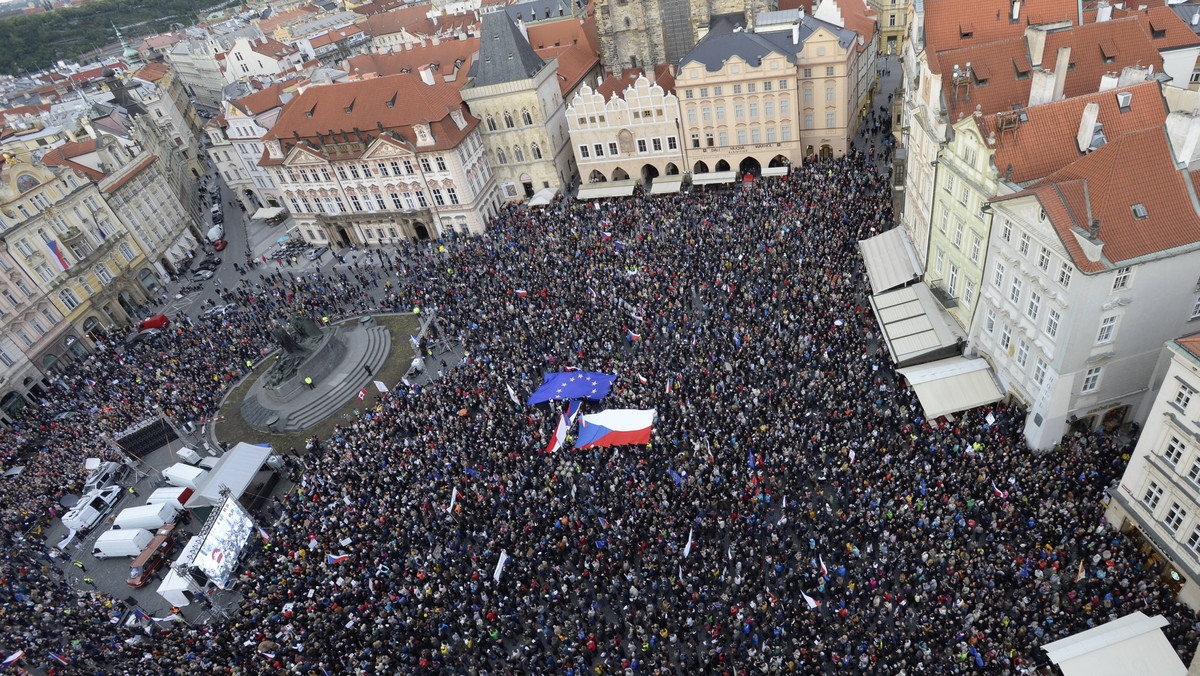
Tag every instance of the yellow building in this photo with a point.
(893, 24)
(62, 232)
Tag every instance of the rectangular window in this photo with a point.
(408, 167)
(437, 197)
(1154, 493)
(737, 89)
(1023, 247)
(703, 92)
(441, 163)
(1183, 397)
(1107, 326)
(1121, 281)
(103, 274)
(706, 114)
(656, 144)
(598, 149)
(756, 135)
(783, 84)
(808, 95)
(380, 204)
(968, 292)
(808, 72)
(768, 108)
(953, 279)
(355, 203)
(767, 86)
(1173, 453)
(945, 220)
(1193, 542)
(1006, 231)
(422, 200)
(708, 139)
(425, 166)
(353, 172)
(5, 359)
(751, 87)
(808, 120)
(784, 107)
(584, 152)
(785, 133)
(720, 112)
(396, 201)
(672, 143)
(722, 138)
(964, 195)
(958, 233)
(1052, 323)
(1014, 291)
(830, 120)
(1035, 305)
(1064, 275)
(739, 111)
(1022, 353)
(950, 183)
(1092, 380)
(1006, 336)
(1194, 473)
(830, 94)
(741, 137)
(695, 140)
(1039, 371)
(753, 109)
(976, 247)
(989, 323)
(612, 148)
(770, 134)
(717, 91)
(1175, 516)
(452, 195)
(940, 261)
(1044, 259)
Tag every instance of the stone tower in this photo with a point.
(646, 33)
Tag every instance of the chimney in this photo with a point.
(1061, 65)
(524, 31)
(1183, 131)
(1041, 90)
(1109, 81)
(1035, 42)
(1016, 10)
(796, 32)
(1087, 126)
(426, 74)
(1132, 75)
(1094, 228)
(1104, 12)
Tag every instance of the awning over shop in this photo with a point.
(542, 197)
(714, 177)
(915, 326)
(235, 469)
(593, 191)
(665, 184)
(890, 259)
(267, 212)
(775, 171)
(952, 385)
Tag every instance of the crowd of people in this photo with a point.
(794, 512)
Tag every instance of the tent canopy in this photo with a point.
(235, 469)
(952, 385)
(713, 177)
(666, 184)
(1134, 644)
(890, 259)
(915, 326)
(542, 197)
(267, 212)
(593, 191)
(775, 171)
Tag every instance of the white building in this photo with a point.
(1158, 496)
(265, 58)
(1083, 280)
(237, 144)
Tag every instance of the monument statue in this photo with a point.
(297, 348)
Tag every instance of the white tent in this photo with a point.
(1134, 644)
(542, 197)
(173, 587)
(235, 470)
(267, 212)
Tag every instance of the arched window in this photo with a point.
(628, 23)
(537, 152)
(526, 117)
(518, 153)
(500, 157)
(508, 120)
(491, 123)
(69, 299)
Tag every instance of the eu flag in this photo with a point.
(589, 385)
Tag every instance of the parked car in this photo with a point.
(109, 495)
(317, 253)
(220, 245)
(152, 558)
(87, 513)
(208, 264)
(105, 475)
(155, 322)
(201, 275)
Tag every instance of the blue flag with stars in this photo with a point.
(589, 385)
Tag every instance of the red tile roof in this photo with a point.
(569, 41)
(397, 102)
(379, 6)
(386, 23)
(334, 36)
(861, 19)
(264, 99)
(444, 54)
(152, 72)
(272, 48)
(1137, 168)
(996, 62)
(271, 24)
(952, 24)
(1045, 142)
(1166, 29)
(63, 156)
(1190, 343)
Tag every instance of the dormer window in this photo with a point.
(1139, 212)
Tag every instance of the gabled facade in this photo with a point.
(259, 58)
(627, 128)
(245, 122)
(1082, 280)
(375, 161)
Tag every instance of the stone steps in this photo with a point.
(337, 392)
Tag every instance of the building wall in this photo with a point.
(245, 133)
(961, 228)
(1164, 472)
(545, 127)
(242, 62)
(922, 132)
(893, 24)
(601, 127)
(195, 62)
(1149, 309)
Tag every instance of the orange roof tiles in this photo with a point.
(568, 41)
(1045, 143)
(63, 156)
(444, 54)
(262, 100)
(386, 23)
(1190, 343)
(152, 72)
(133, 172)
(272, 48)
(271, 24)
(952, 24)
(379, 6)
(1005, 88)
(397, 102)
(1137, 168)
(859, 18)
(1166, 29)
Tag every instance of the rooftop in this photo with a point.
(504, 54)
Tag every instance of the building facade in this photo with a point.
(631, 131)
(1158, 497)
(380, 160)
(259, 58)
(517, 97)
(237, 138)
(893, 25)
(33, 337)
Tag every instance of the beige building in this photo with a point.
(893, 24)
(759, 102)
(627, 128)
(377, 160)
(33, 337)
(517, 96)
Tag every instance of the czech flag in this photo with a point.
(60, 658)
(330, 558)
(615, 427)
(633, 337)
(12, 659)
(560, 435)
(519, 292)
(56, 254)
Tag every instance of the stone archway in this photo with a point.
(826, 152)
(90, 328)
(649, 173)
(700, 168)
(75, 347)
(149, 281)
(12, 403)
(168, 265)
(780, 161)
(52, 363)
(597, 177)
(420, 230)
(722, 165)
(671, 169)
(620, 174)
(750, 166)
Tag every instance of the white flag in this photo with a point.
(852, 456)
(453, 498)
(687, 549)
(381, 387)
(681, 573)
(500, 565)
(512, 394)
(729, 552)
(812, 603)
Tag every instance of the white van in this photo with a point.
(124, 542)
(170, 495)
(184, 475)
(152, 517)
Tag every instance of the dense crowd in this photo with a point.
(833, 529)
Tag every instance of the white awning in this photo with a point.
(267, 212)
(713, 177)
(775, 171)
(952, 385)
(542, 197)
(890, 259)
(1134, 644)
(593, 191)
(665, 184)
(915, 326)
(236, 469)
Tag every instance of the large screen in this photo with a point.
(219, 553)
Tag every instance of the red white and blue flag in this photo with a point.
(999, 493)
(330, 558)
(519, 292)
(13, 658)
(560, 435)
(615, 427)
(572, 411)
(60, 658)
(57, 255)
